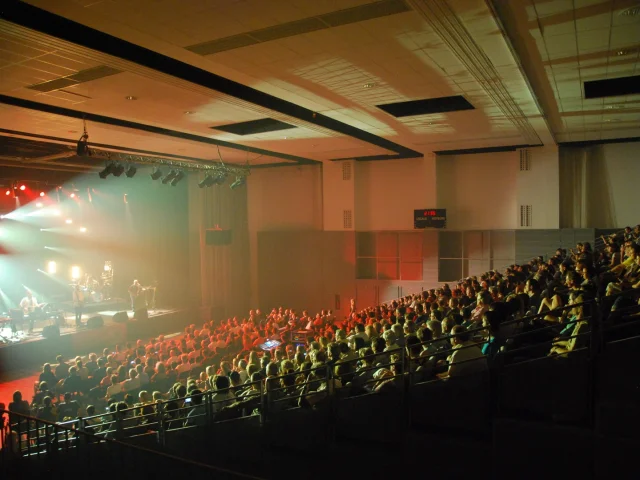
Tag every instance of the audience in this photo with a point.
(441, 334)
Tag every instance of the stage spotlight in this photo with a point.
(239, 181)
(23, 187)
(107, 266)
(118, 170)
(107, 171)
(131, 171)
(75, 272)
(8, 192)
(42, 194)
(179, 176)
(73, 195)
(82, 148)
(156, 174)
(206, 182)
(51, 267)
(68, 221)
(83, 229)
(169, 176)
(39, 204)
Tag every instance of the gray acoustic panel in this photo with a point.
(429, 258)
(503, 247)
(450, 244)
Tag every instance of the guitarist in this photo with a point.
(30, 306)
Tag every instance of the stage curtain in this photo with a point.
(585, 189)
(219, 275)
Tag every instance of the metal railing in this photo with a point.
(68, 447)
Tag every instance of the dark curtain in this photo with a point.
(219, 273)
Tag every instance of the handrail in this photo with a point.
(99, 438)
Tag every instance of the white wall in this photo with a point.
(479, 190)
(338, 194)
(622, 162)
(387, 192)
(287, 198)
(540, 187)
(284, 198)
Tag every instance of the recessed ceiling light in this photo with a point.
(369, 85)
(130, 97)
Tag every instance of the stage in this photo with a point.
(27, 350)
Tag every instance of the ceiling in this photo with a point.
(154, 77)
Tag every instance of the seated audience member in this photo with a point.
(115, 387)
(43, 391)
(550, 303)
(132, 383)
(142, 375)
(47, 411)
(573, 336)
(62, 369)
(18, 406)
(467, 358)
(68, 410)
(83, 372)
(47, 376)
(196, 416)
(491, 347)
(223, 396)
(73, 383)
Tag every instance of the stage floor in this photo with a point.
(22, 336)
(24, 351)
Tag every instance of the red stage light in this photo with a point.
(42, 194)
(8, 192)
(22, 187)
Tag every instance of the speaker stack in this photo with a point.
(51, 331)
(120, 317)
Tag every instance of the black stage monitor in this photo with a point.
(430, 218)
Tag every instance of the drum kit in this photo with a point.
(92, 289)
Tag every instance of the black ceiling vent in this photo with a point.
(612, 87)
(427, 106)
(253, 127)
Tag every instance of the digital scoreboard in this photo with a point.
(430, 218)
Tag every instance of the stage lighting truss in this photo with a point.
(171, 171)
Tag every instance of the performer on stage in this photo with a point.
(78, 303)
(29, 304)
(134, 291)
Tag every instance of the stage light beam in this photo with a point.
(52, 267)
